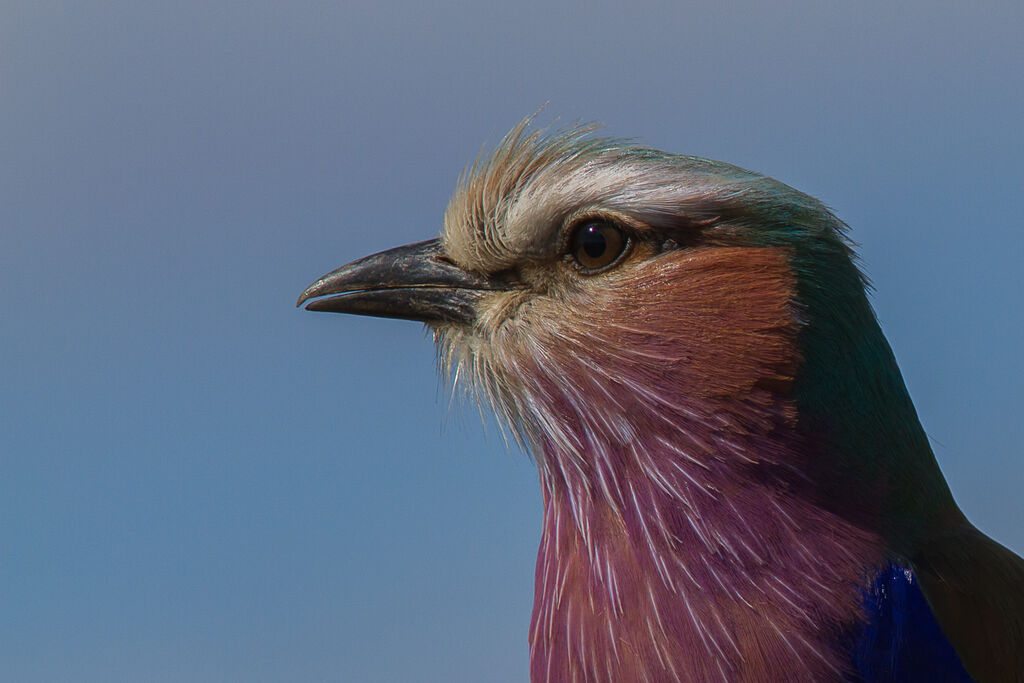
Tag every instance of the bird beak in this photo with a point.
(414, 282)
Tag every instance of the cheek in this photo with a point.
(713, 322)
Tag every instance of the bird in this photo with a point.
(735, 483)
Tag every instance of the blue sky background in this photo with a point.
(200, 483)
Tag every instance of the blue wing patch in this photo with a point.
(901, 641)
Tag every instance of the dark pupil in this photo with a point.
(594, 243)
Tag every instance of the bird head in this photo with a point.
(593, 290)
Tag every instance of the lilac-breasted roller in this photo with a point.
(736, 486)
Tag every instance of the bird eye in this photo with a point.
(597, 245)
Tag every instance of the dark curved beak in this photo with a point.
(413, 282)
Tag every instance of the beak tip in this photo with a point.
(313, 291)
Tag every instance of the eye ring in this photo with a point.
(597, 245)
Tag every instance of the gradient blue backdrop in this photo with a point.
(200, 483)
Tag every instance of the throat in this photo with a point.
(653, 568)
